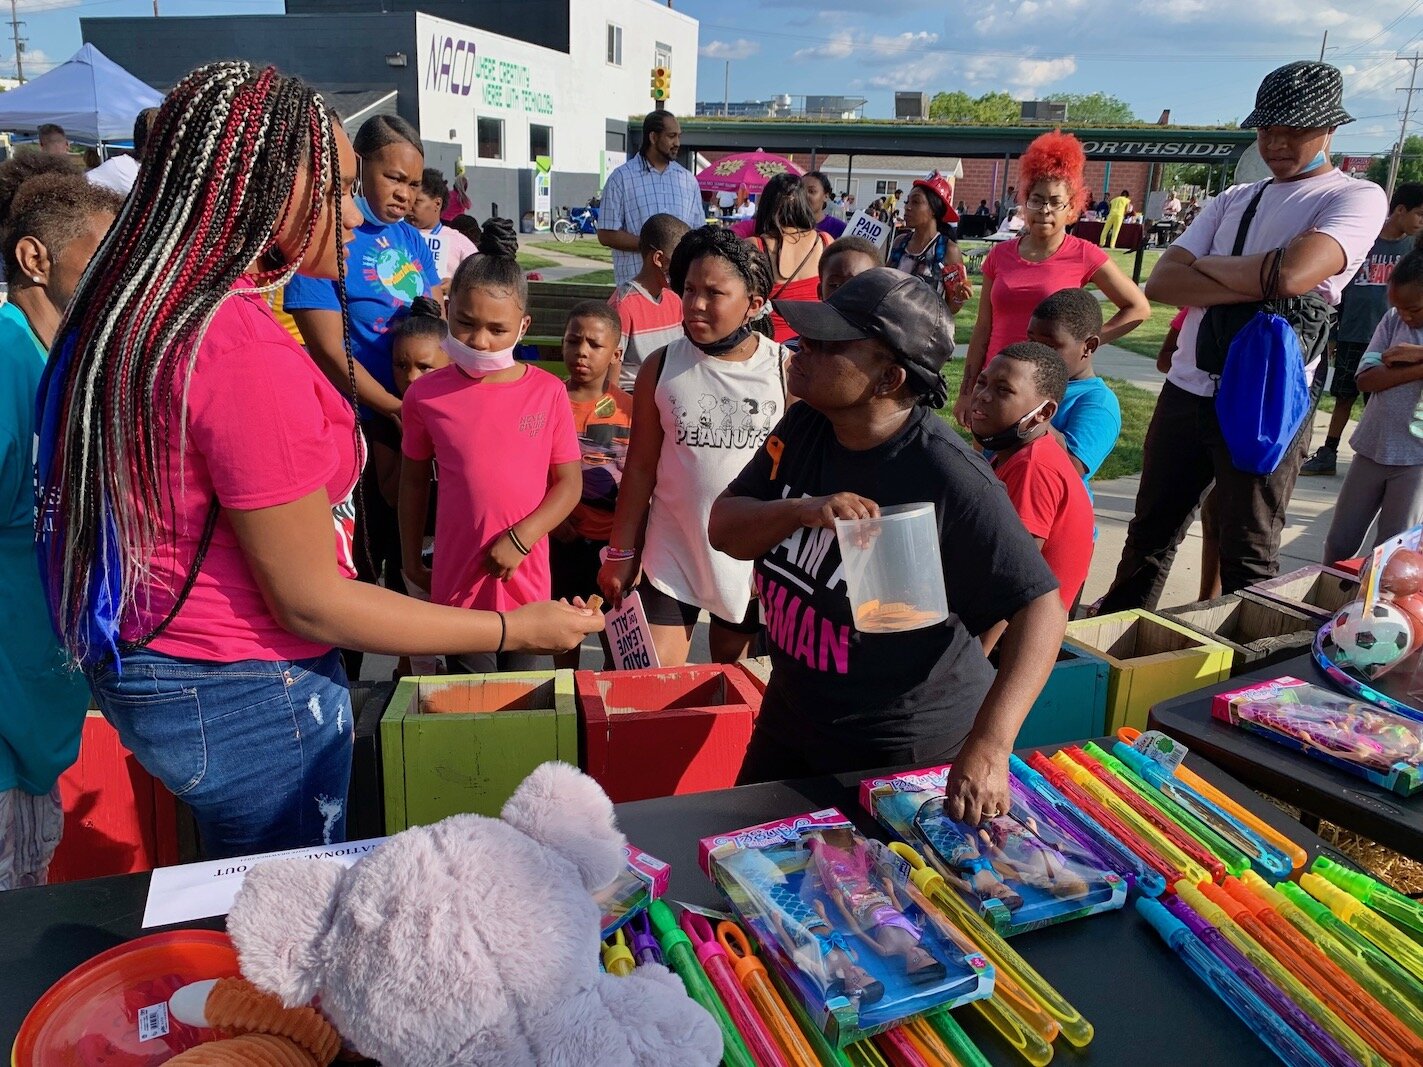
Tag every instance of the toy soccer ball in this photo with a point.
(1378, 636)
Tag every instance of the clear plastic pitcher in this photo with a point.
(893, 569)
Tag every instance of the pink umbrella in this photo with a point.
(751, 169)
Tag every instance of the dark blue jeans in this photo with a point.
(260, 750)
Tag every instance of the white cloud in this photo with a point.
(37, 61)
(740, 48)
(901, 44)
(839, 46)
(1022, 77)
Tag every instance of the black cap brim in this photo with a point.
(818, 321)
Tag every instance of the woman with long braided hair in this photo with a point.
(197, 475)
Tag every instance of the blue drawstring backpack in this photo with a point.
(1262, 397)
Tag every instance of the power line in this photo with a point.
(1413, 60)
(15, 25)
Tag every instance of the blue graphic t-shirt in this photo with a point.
(388, 266)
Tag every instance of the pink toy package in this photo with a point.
(642, 881)
(1359, 738)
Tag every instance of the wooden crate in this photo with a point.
(463, 743)
(665, 730)
(118, 818)
(1258, 632)
(1073, 703)
(758, 670)
(1317, 591)
(1151, 659)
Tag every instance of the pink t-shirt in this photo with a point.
(1019, 286)
(265, 427)
(496, 444)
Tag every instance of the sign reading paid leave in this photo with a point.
(872, 230)
(630, 637)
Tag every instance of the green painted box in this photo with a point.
(1073, 703)
(1151, 659)
(463, 743)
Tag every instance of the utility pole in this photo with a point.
(1393, 163)
(726, 92)
(15, 25)
(155, 15)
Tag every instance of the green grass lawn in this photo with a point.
(593, 277)
(587, 248)
(533, 261)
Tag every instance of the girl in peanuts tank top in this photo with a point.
(704, 406)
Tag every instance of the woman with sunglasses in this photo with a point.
(1020, 274)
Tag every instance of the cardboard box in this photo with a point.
(1317, 591)
(463, 743)
(1258, 631)
(665, 730)
(1150, 659)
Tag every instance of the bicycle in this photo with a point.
(572, 225)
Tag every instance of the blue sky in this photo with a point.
(1200, 58)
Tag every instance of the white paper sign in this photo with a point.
(872, 230)
(203, 890)
(630, 637)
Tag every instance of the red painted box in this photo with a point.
(118, 818)
(666, 730)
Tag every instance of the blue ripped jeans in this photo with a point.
(260, 750)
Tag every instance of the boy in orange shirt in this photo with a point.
(602, 418)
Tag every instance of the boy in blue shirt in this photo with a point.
(1089, 419)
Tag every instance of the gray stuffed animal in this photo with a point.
(472, 942)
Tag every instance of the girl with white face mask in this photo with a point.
(502, 435)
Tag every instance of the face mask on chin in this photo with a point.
(727, 343)
(1011, 437)
(476, 363)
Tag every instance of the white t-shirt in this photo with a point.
(449, 247)
(117, 173)
(1347, 209)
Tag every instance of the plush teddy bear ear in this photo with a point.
(565, 810)
(277, 922)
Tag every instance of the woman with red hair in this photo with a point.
(1018, 275)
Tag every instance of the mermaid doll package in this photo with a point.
(841, 923)
(1356, 737)
(1019, 870)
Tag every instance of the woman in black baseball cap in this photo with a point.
(865, 436)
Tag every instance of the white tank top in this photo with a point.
(715, 414)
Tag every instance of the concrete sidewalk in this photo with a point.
(1310, 512)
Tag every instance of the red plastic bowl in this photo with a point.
(91, 1016)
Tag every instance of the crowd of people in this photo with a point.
(258, 385)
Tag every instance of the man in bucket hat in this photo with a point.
(890, 683)
(1319, 224)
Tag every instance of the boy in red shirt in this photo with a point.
(602, 418)
(1012, 408)
(650, 312)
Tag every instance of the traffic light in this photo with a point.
(661, 83)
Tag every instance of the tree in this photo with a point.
(990, 109)
(1410, 167)
(1095, 109)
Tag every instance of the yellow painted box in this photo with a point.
(463, 743)
(1150, 659)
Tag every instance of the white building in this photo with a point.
(545, 78)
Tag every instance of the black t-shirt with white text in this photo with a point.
(846, 700)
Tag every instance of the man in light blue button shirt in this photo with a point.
(649, 183)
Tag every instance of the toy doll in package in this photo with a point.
(1359, 738)
(640, 882)
(841, 921)
(1018, 870)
